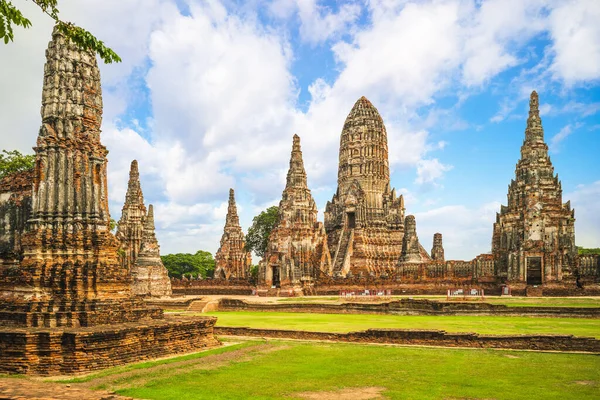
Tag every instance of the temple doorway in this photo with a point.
(351, 220)
(534, 270)
(276, 277)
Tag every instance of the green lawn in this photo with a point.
(357, 322)
(279, 369)
(587, 302)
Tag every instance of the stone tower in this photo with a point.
(365, 219)
(66, 304)
(412, 251)
(150, 277)
(130, 228)
(232, 260)
(534, 237)
(68, 251)
(297, 252)
(437, 251)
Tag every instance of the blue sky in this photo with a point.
(210, 94)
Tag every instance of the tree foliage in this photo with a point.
(10, 15)
(200, 264)
(258, 234)
(14, 161)
(586, 252)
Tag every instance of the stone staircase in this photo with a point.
(203, 306)
(534, 291)
(342, 251)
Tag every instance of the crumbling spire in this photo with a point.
(437, 251)
(296, 176)
(232, 260)
(69, 214)
(130, 228)
(232, 218)
(134, 189)
(298, 243)
(534, 131)
(150, 277)
(149, 228)
(410, 243)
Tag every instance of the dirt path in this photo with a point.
(18, 389)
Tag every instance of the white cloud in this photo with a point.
(429, 171)
(583, 109)
(319, 23)
(467, 232)
(575, 32)
(584, 199)
(224, 100)
(566, 131)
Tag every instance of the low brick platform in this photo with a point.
(58, 351)
(431, 338)
(411, 307)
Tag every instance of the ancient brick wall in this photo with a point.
(411, 307)
(58, 352)
(431, 338)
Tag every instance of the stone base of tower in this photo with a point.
(366, 251)
(72, 314)
(58, 351)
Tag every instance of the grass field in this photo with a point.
(357, 322)
(587, 302)
(280, 369)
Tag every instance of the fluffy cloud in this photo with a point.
(559, 137)
(429, 171)
(466, 231)
(218, 102)
(584, 199)
(576, 41)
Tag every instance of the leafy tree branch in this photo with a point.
(11, 16)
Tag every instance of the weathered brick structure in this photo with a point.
(297, 253)
(365, 219)
(15, 209)
(534, 235)
(232, 260)
(437, 251)
(130, 228)
(66, 302)
(136, 233)
(150, 277)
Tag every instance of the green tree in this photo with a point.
(586, 252)
(200, 264)
(254, 274)
(11, 15)
(258, 234)
(112, 225)
(14, 161)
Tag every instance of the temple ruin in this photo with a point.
(370, 241)
(66, 301)
(150, 277)
(534, 235)
(232, 261)
(365, 218)
(297, 253)
(135, 232)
